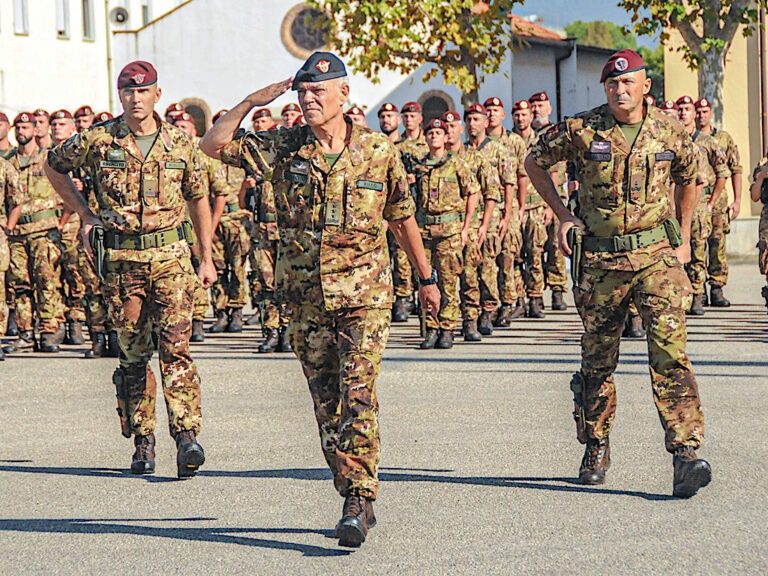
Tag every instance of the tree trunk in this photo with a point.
(469, 98)
(711, 75)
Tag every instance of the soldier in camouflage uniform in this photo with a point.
(146, 176)
(335, 185)
(43, 129)
(6, 149)
(411, 142)
(35, 271)
(11, 195)
(758, 192)
(713, 170)
(484, 223)
(389, 121)
(627, 156)
(722, 212)
(84, 118)
(446, 201)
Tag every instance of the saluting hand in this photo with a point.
(269, 93)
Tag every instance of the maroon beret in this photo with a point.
(434, 124)
(356, 110)
(136, 75)
(261, 113)
(451, 116)
(4, 118)
(61, 114)
(175, 107)
(668, 105)
(703, 103)
(521, 105)
(475, 109)
(24, 117)
(218, 115)
(650, 100)
(292, 107)
(410, 107)
(387, 107)
(41, 112)
(539, 97)
(102, 117)
(684, 100)
(493, 102)
(622, 62)
(83, 111)
(185, 116)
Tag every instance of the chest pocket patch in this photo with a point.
(598, 156)
(664, 156)
(119, 164)
(370, 185)
(175, 165)
(298, 171)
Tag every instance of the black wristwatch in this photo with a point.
(431, 280)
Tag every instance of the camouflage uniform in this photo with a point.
(10, 195)
(555, 267)
(334, 271)
(614, 202)
(35, 271)
(200, 294)
(148, 289)
(231, 242)
(712, 165)
(717, 267)
(73, 283)
(444, 185)
(762, 240)
(488, 179)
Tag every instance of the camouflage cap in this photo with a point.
(292, 107)
(622, 62)
(137, 75)
(539, 97)
(59, 114)
(386, 107)
(521, 105)
(24, 117)
(434, 124)
(702, 103)
(475, 109)
(319, 67)
(451, 116)
(493, 102)
(83, 111)
(410, 107)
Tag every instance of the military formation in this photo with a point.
(134, 227)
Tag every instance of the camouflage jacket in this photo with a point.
(505, 160)
(137, 195)
(622, 190)
(11, 195)
(716, 165)
(226, 181)
(5, 154)
(732, 157)
(488, 179)
(417, 147)
(333, 246)
(444, 186)
(557, 172)
(39, 194)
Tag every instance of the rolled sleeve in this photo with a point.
(555, 145)
(399, 202)
(70, 154)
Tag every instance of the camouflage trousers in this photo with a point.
(701, 229)
(98, 317)
(556, 270)
(231, 245)
(35, 274)
(662, 294)
(71, 276)
(199, 295)
(5, 262)
(446, 256)
(263, 255)
(402, 273)
(340, 352)
(509, 277)
(717, 267)
(534, 239)
(156, 297)
(469, 280)
(762, 242)
(489, 271)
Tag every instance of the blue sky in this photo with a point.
(558, 13)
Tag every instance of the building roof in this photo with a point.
(527, 29)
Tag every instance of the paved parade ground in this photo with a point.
(478, 471)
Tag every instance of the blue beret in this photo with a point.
(319, 67)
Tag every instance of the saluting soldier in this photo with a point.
(147, 175)
(335, 185)
(627, 155)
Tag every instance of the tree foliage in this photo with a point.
(601, 33)
(464, 39)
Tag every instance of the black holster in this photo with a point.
(577, 387)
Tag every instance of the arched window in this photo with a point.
(434, 103)
(305, 29)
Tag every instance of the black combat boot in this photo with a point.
(48, 342)
(697, 306)
(144, 456)
(504, 317)
(445, 340)
(519, 310)
(469, 328)
(596, 461)
(400, 310)
(429, 340)
(24, 343)
(2, 354)
(633, 327)
(98, 346)
(357, 518)
(198, 331)
(253, 319)
(764, 293)
(235, 320)
(283, 344)
(536, 308)
(558, 302)
(221, 323)
(690, 472)
(13, 328)
(190, 455)
(271, 341)
(74, 333)
(717, 299)
(485, 325)
(113, 344)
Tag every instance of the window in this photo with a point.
(88, 32)
(305, 29)
(62, 19)
(434, 103)
(146, 12)
(20, 19)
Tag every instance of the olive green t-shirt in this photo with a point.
(145, 143)
(631, 131)
(331, 158)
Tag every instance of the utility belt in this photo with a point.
(533, 199)
(266, 218)
(430, 220)
(41, 215)
(115, 241)
(231, 208)
(627, 242)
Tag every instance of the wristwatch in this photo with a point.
(431, 280)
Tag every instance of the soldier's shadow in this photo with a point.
(138, 527)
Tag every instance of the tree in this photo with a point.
(707, 28)
(464, 39)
